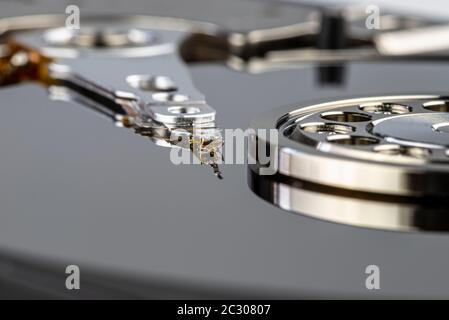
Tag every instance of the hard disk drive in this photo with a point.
(327, 125)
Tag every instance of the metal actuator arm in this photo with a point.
(163, 106)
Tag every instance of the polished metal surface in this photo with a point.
(422, 129)
(94, 37)
(386, 145)
(349, 208)
(139, 104)
(163, 54)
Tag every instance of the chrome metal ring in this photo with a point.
(387, 145)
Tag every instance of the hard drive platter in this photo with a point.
(358, 170)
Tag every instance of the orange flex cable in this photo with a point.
(19, 63)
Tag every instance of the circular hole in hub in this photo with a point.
(385, 108)
(394, 149)
(342, 116)
(326, 128)
(183, 110)
(352, 140)
(437, 106)
(151, 83)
